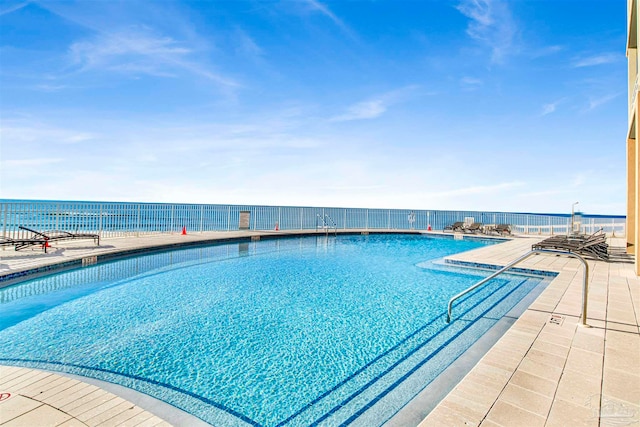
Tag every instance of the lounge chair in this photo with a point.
(54, 235)
(594, 245)
(456, 226)
(23, 243)
(502, 229)
(476, 227)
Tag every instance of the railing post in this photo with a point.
(345, 218)
(4, 220)
(100, 222)
(172, 222)
(613, 227)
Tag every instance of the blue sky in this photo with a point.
(470, 104)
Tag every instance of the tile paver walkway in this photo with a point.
(33, 398)
(541, 373)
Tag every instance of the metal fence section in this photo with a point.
(134, 219)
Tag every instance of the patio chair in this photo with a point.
(476, 227)
(594, 245)
(503, 229)
(456, 226)
(55, 235)
(23, 243)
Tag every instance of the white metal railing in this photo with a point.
(136, 219)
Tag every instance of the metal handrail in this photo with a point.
(327, 224)
(585, 289)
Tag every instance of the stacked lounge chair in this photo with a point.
(456, 226)
(476, 227)
(594, 246)
(501, 229)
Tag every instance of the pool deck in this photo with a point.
(546, 370)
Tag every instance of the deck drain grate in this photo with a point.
(556, 319)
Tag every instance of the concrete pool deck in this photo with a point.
(546, 370)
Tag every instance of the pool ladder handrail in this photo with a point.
(327, 223)
(522, 258)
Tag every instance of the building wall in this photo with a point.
(633, 153)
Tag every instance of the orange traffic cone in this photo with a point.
(184, 230)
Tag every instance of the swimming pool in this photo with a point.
(302, 331)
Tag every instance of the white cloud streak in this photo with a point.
(478, 189)
(31, 163)
(545, 51)
(551, 107)
(9, 8)
(491, 25)
(597, 102)
(28, 133)
(324, 9)
(470, 83)
(247, 45)
(362, 110)
(138, 51)
(375, 106)
(600, 59)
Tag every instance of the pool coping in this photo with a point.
(8, 278)
(11, 277)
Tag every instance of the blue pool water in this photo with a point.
(290, 332)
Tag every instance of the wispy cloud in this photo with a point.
(49, 87)
(600, 59)
(375, 106)
(363, 110)
(597, 102)
(9, 7)
(491, 25)
(478, 189)
(22, 163)
(324, 9)
(551, 107)
(22, 133)
(246, 45)
(470, 83)
(137, 50)
(545, 51)
(580, 178)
